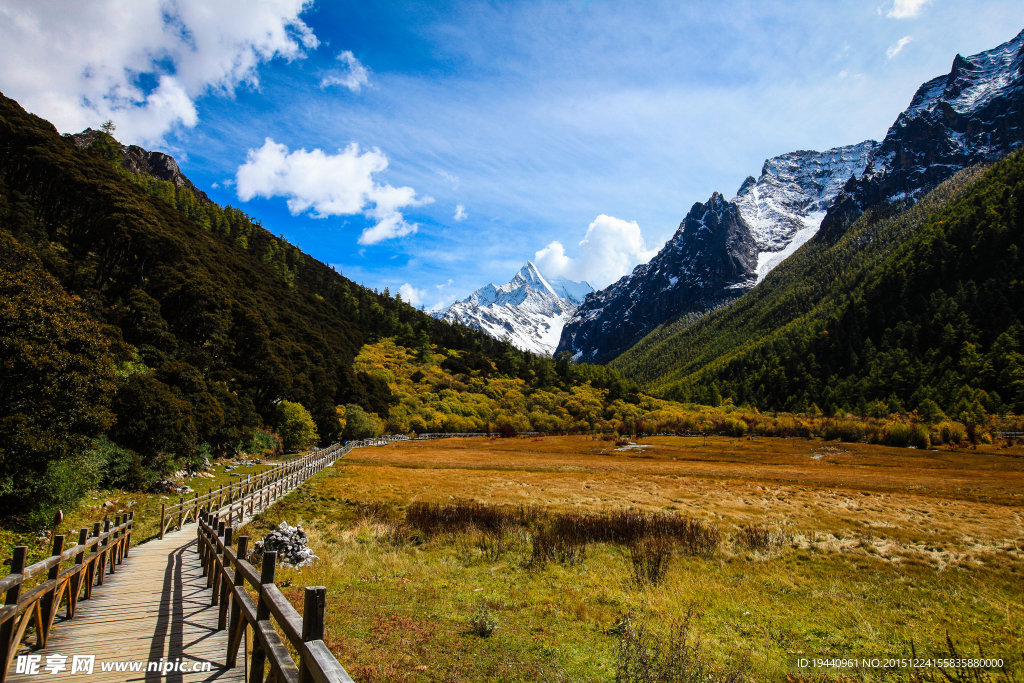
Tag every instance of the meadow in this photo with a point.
(819, 550)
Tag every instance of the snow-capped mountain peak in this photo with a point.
(529, 310)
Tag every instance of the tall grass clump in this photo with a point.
(902, 435)
(562, 537)
(844, 430)
(650, 559)
(756, 536)
(549, 545)
(644, 657)
(460, 516)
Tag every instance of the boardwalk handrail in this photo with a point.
(278, 477)
(228, 574)
(89, 558)
(283, 476)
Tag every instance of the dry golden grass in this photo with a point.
(901, 499)
(872, 548)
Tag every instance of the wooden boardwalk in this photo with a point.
(156, 607)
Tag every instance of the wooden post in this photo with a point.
(75, 582)
(236, 628)
(101, 561)
(203, 536)
(259, 657)
(115, 546)
(49, 601)
(163, 519)
(181, 511)
(211, 577)
(7, 646)
(220, 584)
(91, 579)
(312, 624)
(131, 527)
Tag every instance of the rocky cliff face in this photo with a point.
(784, 206)
(143, 162)
(973, 114)
(721, 250)
(529, 310)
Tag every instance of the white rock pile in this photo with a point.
(290, 543)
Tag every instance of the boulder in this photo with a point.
(289, 542)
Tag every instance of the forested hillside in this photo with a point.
(913, 308)
(176, 328)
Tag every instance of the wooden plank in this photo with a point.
(155, 606)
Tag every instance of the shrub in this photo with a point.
(921, 438)
(951, 432)
(120, 468)
(850, 431)
(899, 434)
(736, 428)
(482, 623)
(264, 443)
(297, 428)
(650, 558)
(360, 425)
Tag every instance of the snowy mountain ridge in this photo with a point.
(785, 206)
(530, 310)
(721, 249)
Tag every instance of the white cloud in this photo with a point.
(81, 63)
(460, 212)
(329, 185)
(906, 9)
(354, 77)
(411, 295)
(895, 48)
(451, 178)
(611, 248)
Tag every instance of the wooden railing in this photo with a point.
(269, 485)
(229, 574)
(221, 507)
(41, 603)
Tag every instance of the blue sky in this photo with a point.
(447, 143)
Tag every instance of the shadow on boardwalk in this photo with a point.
(156, 608)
